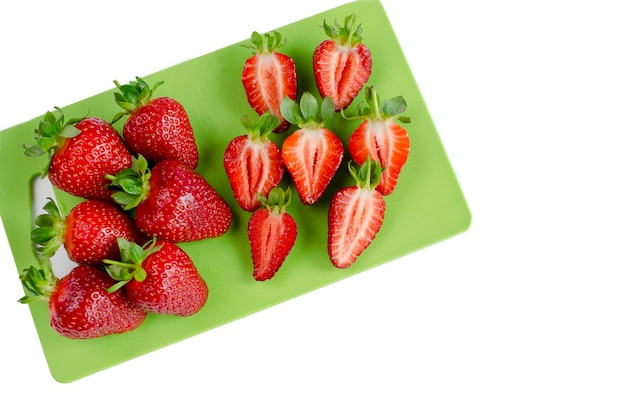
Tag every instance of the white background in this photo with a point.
(522, 314)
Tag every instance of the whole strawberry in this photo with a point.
(159, 278)
(81, 152)
(171, 201)
(157, 128)
(88, 233)
(79, 304)
(253, 162)
(269, 76)
(312, 154)
(381, 138)
(343, 63)
(355, 215)
(272, 233)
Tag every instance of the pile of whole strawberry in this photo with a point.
(142, 196)
(312, 153)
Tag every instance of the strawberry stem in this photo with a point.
(49, 233)
(132, 184)
(277, 200)
(368, 175)
(133, 96)
(38, 283)
(347, 35)
(129, 268)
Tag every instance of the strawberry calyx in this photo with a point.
(129, 267)
(131, 184)
(308, 113)
(133, 96)
(367, 176)
(373, 108)
(49, 233)
(51, 133)
(277, 200)
(266, 43)
(259, 131)
(39, 283)
(347, 35)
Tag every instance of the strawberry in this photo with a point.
(159, 278)
(171, 201)
(313, 153)
(253, 163)
(81, 152)
(343, 63)
(355, 215)
(157, 128)
(269, 76)
(381, 138)
(89, 232)
(79, 304)
(272, 233)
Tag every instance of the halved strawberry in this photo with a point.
(343, 63)
(158, 277)
(89, 232)
(381, 138)
(253, 163)
(171, 201)
(355, 215)
(313, 153)
(269, 76)
(79, 304)
(81, 151)
(157, 128)
(272, 233)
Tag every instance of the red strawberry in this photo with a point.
(253, 163)
(381, 138)
(355, 215)
(269, 76)
(79, 305)
(81, 152)
(312, 153)
(342, 64)
(157, 128)
(171, 201)
(159, 278)
(89, 232)
(272, 233)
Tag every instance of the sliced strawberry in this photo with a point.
(272, 233)
(381, 138)
(269, 76)
(81, 152)
(313, 153)
(253, 162)
(157, 128)
(355, 216)
(158, 277)
(79, 305)
(342, 64)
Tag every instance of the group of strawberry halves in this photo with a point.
(142, 194)
(312, 154)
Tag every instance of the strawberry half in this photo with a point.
(81, 152)
(343, 63)
(159, 278)
(381, 138)
(253, 162)
(272, 233)
(171, 201)
(89, 232)
(79, 304)
(355, 215)
(269, 76)
(157, 128)
(313, 153)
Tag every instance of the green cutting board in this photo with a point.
(426, 207)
